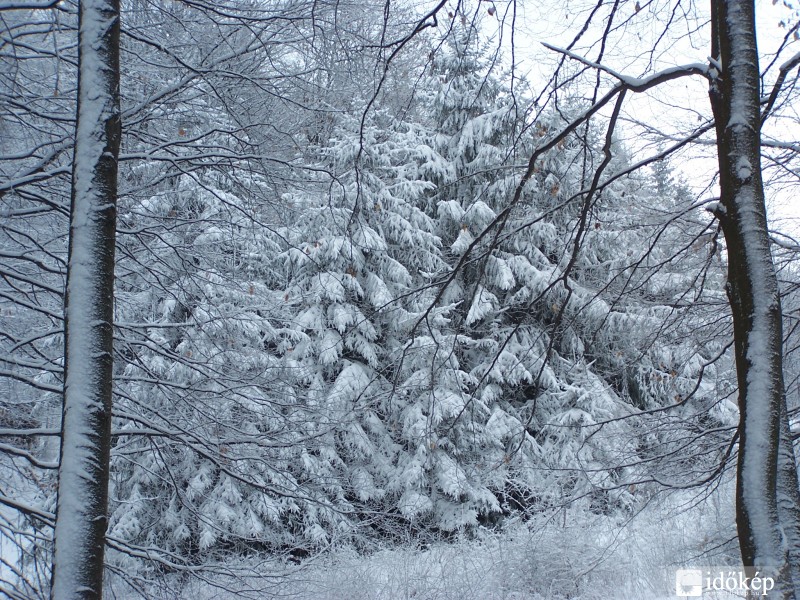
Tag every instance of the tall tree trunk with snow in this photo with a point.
(86, 426)
(752, 289)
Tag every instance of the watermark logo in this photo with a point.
(695, 583)
(689, 583)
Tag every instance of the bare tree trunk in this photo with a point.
(86, 425)
(752, 289)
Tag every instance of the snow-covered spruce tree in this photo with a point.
(540, 338)
(647, 294)
(217, 432)
(205, 423)
(660, 340)
(359, 266)
(647, 280)
(199, 377)
(462, 381)
(421, 446)
(506, 410)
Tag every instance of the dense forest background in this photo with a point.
(346, 337)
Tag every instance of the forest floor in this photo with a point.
(564, 555)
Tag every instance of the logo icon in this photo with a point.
(689, 583)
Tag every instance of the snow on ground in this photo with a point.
(579, 556)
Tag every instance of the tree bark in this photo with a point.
(86, 422)
(752, 290)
